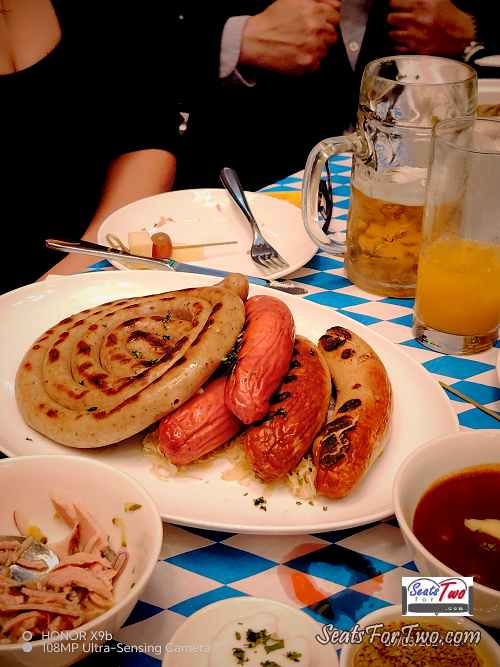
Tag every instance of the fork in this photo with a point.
(261, 252)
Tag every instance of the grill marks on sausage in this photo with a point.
(130, 323)
(208, 324)
(279, 397)
(52, 413)
(82, 347)
(338, 424)
(112, 340)
(62, 338)
(334, 338)
(352, 404)
(348, 353)
(53, 354)
(150, 338)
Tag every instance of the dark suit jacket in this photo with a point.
(267, 131)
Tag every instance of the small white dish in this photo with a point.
(193, 643)
(489, 646)
(26, 485)
(210, 216)
(428, 463)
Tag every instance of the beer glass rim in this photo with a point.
(442, 129)
(469, 72)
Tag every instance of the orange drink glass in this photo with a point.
(457, 307)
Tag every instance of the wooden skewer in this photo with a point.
(115, 242)
(203, 245)
(470, 400)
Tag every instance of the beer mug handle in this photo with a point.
(310, 188)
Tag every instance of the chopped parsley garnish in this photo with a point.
(81, 382)
(136, 354)
(150, 362)
(166, 337)
(166, 319)
(325, 508)
(227, 362)
(132, 507)
(294, 656)
(297, 502)
(260, 503)
(29, 439)
(269, 663)
(311, 503)
(279, 643)
(238, 635)
(91, 409)
(239, 655)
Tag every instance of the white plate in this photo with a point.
(210, 215)
(202, 627)
(488, 91)
(421, 412)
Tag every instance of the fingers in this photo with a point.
(400, 36)
(400, 18)
(402, 5)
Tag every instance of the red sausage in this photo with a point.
(263, 358)
(199, 426)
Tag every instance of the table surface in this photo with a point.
(335, 577)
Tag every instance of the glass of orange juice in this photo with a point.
(457, 307)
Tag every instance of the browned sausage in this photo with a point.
(359, 427)
(263, 358)
(299, 409)
(199, 426)
(104, 374)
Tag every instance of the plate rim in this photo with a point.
(271, 276)
(253, 600)
(251, 529)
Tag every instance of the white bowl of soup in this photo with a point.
(447, 501)
(384, 638)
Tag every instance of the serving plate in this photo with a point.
(421, 412)
(205, 624)
(210, 216)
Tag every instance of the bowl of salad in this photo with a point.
(78, 543)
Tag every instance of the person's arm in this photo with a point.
(130, 177)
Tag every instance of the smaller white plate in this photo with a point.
(192, 643)
(210, 216)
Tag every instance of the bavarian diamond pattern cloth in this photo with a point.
(336, 577)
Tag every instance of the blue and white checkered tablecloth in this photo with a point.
(335, 577)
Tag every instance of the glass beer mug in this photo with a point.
(401, 99)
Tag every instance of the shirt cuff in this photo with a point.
(230, 48)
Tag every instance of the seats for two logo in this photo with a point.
(437, 596)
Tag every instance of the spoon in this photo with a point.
(36, 551)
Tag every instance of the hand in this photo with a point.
(290, 36)
(434, 27)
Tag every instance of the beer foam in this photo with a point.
(401, 185)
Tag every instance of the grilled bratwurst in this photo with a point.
(358, 430)
(104, 374)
